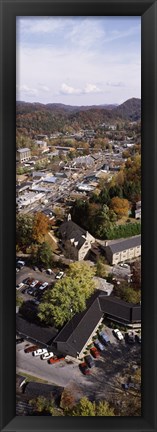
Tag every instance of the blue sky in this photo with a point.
(78, 60)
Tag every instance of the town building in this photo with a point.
(138, 210)
(75, 239)
(23, 155)
(79, 331)
(122, 250)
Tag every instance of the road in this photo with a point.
(59, 374)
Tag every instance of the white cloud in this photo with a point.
(115, 84)
(24, 88)
(44, 88)
(91, 88)
(66, 89)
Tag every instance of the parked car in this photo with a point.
(55, 359)
(47, 355)
(89, 360)
(20, 262)
(34, 283)
(118, 334)
(19, 340)
(17, 269)
(138, 338)
(31, 348)
(130, 337)
(20, 285)
(43, 286)
(104, 337)
(49, 271)
(35, 268)
(99, 345)
(26, 281)
(59, 275)
(125, 386)
(39, 352)
(95, 353)
(84, 368)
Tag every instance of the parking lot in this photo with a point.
(106, 377)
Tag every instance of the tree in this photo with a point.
(101, 268)
(68, 296)
(103, 409)
(24, 231)
(127, 293)
(86, 408)
(40, 227)
(44, 406)
(44, 255)
(120, 206)
(19, 299)
(136, 274)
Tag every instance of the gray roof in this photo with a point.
(125, 244)
(77, 331)
(23, 150)
(39, 334)
(70, 230)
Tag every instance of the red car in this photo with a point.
(84, 368)
(55, 360)
(95, 353)
(31, 348)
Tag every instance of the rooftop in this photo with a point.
(22, 150)
(125, 244)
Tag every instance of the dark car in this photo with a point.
(84, 368)
(99, 345)
(20, 340)
(125, 386)
(104, 337)
(90, 362)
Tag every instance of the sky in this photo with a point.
(78, 60)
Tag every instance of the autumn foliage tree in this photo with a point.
(120, 206)
(40, 227)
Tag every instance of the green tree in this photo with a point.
(44, 406)
(127, 293)
(24, 231)
(19, 299)
(68, 296)
(101, 268)
(44, 255)
(86, 408)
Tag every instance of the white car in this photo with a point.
(59, 275)
(22, 263)
(118, 334)
(20, 285)
(43, 286)
(34, 283)
(39, 352)
(47, 355)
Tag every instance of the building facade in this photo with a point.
(123, 250)
(23, 155)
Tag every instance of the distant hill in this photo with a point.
(129, 110)
(32, 118)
